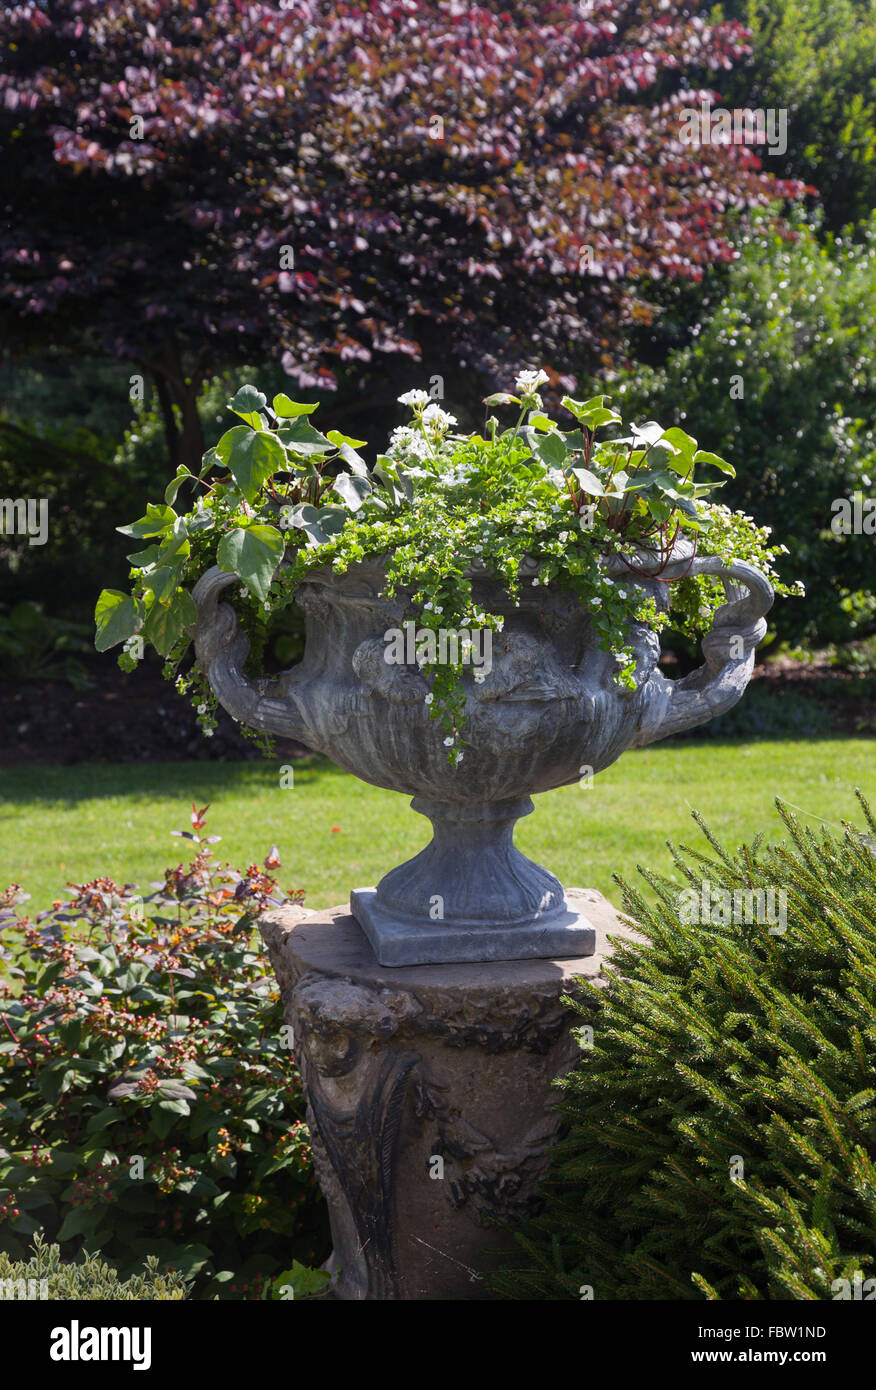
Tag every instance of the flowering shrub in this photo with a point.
(280, 500)
(148, 1105)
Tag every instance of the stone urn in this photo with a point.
(548, 714)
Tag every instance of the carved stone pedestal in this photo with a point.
(429, 1095)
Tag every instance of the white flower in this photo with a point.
(414, 398)
(458, 756)
(479, 677)
(596, 603)
(529, 381)
(449, 742)
(564, 536)
(436, 417)
(202, 709)
(534, 582)
(208, 733)
(428, 700)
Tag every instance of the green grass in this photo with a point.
(75, 823)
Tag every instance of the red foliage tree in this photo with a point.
(193, 184)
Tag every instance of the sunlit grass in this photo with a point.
(335, 833)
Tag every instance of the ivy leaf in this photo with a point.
(302, 438)
(156, 522)
(288, 409)
(352, 489)
(118, 616)
(317, 523)
(162, 581)
(251, 456)
(176, 547)
(338, 439)
(540, 422)
(347, 449)
(175, 484)
(248, 403)
(685, 446)
(166, 622)
(589, 482)
(300, 1281)
(253, 553)
(393, 477)
(550, 448)
(593, 413)
(703, 456)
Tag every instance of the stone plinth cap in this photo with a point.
(331, 942)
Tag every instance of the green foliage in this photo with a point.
(722, 1120)
(89, 1278)
(441, 505)
(34, 646)
(150, 1102)
(787, 327)
(817, 60)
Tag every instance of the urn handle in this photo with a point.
(720, 682)
(269, 704)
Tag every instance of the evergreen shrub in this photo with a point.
(722, 1120)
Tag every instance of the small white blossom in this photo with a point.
(436, 417)
(414, 398)
(202, 709)
(449, 742)
(529, 381)
(479, 677)
(429, 698)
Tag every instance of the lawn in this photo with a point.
(334, 832)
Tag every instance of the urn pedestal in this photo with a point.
(430, 1097)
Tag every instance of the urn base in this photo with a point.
(560, 934)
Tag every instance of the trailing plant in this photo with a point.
(149, 1099)
(46, 1275)
(722, 1121)
(276, 500)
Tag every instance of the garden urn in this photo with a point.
(550, 713)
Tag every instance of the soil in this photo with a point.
(121, 718)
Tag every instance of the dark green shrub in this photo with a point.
(34, 646)
(786, 327)
(45, 1275)
(723, 1118)
(148, 1104)
(817, 60)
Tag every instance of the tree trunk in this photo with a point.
(177, 391)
